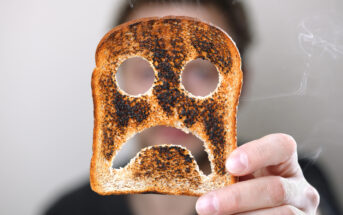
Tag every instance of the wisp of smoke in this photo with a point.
(131, 2)
(312, 156)
(324, 37)
(323, 133)
(316, 38)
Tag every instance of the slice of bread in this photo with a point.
(167, 43)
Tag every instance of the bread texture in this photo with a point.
(168, 44)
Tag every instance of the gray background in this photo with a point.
(46, 114)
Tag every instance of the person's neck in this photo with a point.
(155, 204)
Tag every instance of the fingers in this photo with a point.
(270, 150)
(286, 193)
(249, 195)
(285, 209)
(259, 193)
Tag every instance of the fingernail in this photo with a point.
(207, 204)
(237, 162)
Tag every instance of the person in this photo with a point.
(271, 179)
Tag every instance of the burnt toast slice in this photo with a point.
(168, 44)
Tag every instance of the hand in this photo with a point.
(271, 181)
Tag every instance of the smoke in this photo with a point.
(312, 156)
(326, 133)
(131, 3)
(320, 38)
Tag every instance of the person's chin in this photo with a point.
(171, 133)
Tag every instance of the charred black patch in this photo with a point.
(146, 43)
(172, 21)
(122, 106)
(134, 25)
(188, 159)
(162, 61)
(166, 72)
(108, 142)
(178, 56)
(167, 162)
(189, 110)
(207, 42)
(167, 96)
(152, 192)
(127, 109)
(214, 127)
(167, 91)
(106, 83)
(160, 53)
(151, 23)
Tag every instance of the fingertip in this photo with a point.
(269, 150)
(237, 163)
(207, 204)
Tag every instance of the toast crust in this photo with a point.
(167, 43)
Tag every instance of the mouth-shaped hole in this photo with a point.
(160, 135)
(200, 77)
(135, 76)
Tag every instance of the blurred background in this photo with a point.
(46, 114)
